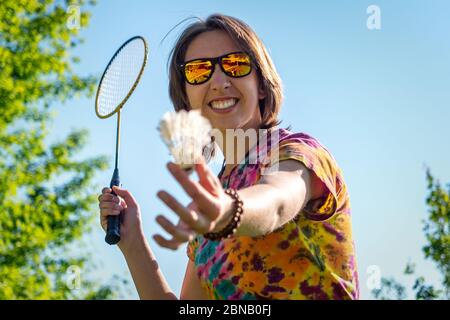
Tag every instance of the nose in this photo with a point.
(219, 80)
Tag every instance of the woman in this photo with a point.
(276, 228)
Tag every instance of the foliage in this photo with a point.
(46, 196)
(437, 232)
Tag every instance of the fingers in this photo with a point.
(193, 189)
(110, 209)
(170, 244)
(106, 190)
(178, 234)
(109, 204)
(112, 206)
(194, 220)
(108, 197)
(207, 179)
(127, 197)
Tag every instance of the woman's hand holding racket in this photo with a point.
(131, 232)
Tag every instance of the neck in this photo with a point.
(235, 143)
(234, 146)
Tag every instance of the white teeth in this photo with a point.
(223, 104)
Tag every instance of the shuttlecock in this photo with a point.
(186, 133)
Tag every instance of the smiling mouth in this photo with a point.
(223, 105)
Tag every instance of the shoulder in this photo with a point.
(287, 150)
(286, 136)
(280, 144)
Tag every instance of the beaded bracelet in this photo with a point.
(231, 227)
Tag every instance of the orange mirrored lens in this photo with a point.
(236, 64)
(198, 71)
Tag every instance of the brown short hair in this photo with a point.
(249, 42)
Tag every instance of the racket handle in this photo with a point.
(113, 226)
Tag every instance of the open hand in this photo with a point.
(209, 211)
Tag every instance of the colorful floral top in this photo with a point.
(310, 257)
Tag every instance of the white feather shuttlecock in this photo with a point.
(185, 133)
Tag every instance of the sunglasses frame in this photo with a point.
(214, 61)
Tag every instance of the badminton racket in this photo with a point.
(120, 78)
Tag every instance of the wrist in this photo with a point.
(227, 214)
(135, 243)
(233, 224)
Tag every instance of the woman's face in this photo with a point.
(228, 103)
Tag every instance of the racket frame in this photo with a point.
(120, 105)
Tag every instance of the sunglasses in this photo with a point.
(235, 65)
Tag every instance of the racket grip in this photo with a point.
(113, 227)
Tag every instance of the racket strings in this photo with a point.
(121, 76)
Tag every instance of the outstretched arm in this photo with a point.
(275, 200)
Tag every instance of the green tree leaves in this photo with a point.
(46, 197)
(437, 232)
(437, 229)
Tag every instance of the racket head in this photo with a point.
(121, 76)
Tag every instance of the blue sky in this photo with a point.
(379, 100)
